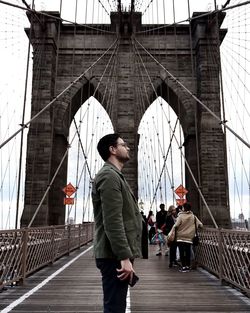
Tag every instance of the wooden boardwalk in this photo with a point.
(77, 289)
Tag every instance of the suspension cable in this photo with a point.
(54, 17)
(194, 17)
(22, 132)
(78, 133)
(164, 163)
(51, 182)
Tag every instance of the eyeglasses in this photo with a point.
(124, 144)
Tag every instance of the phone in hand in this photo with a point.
(133, 280)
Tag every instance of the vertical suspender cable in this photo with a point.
(79, 143)
(84, 169)
(23, 117)
(164, 151)
(222, 101)
(165, 168)
(162, 128)
(70, 100)
(179, 111)
(78, 158)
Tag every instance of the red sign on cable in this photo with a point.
(68, 201)
(180, 201)
(69, 190)
(181, 191)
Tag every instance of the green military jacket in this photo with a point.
(118, 222)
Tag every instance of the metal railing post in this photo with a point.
(53, 245)
(69, 236)
(86, 232)
(220, 255)
(79, 235)
(24, 254)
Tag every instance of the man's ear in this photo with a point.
(111, 149)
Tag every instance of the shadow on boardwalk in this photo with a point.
(77, 288)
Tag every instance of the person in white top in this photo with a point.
(185, 231)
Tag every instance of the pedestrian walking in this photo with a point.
(185, 231)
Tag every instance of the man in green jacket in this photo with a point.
(118, 224)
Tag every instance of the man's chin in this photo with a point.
(124, 160)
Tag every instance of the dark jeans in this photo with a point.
(114, 290)
(185, 253)
(172, 252)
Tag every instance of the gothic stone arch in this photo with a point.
(47, 137)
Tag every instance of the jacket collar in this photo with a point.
(185, 212)
(110, 165)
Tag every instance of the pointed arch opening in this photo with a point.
(89, 124)
(160, 156)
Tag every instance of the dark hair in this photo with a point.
(162, 206)
(150, 213)
(187, 206)
(178, 209)
(104, 144)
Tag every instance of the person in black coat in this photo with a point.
(170, 221)
(160, 224)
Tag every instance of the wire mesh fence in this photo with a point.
(226, 253)
(24, 251)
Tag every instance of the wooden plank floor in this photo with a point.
(77, 289)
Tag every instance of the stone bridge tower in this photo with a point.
(55, 44)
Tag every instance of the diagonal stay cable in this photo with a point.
(193, 96)
(103, 7)
(236, 73)
(159, 180)
(78, 133)
(164, 163)
(82, 148)
(51, 182)
(112, 82)
(57, 97)
(111, 57)
(236, 92)
(194, 179)
(95, 91)
(234, 170)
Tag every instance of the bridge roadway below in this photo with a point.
(73, 285)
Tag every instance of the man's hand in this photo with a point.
(126, 271)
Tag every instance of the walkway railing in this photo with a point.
(226, 253)
(24, 251)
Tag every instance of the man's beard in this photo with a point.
(123, 159)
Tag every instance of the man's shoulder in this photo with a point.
(108, 169)
(107, 175)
